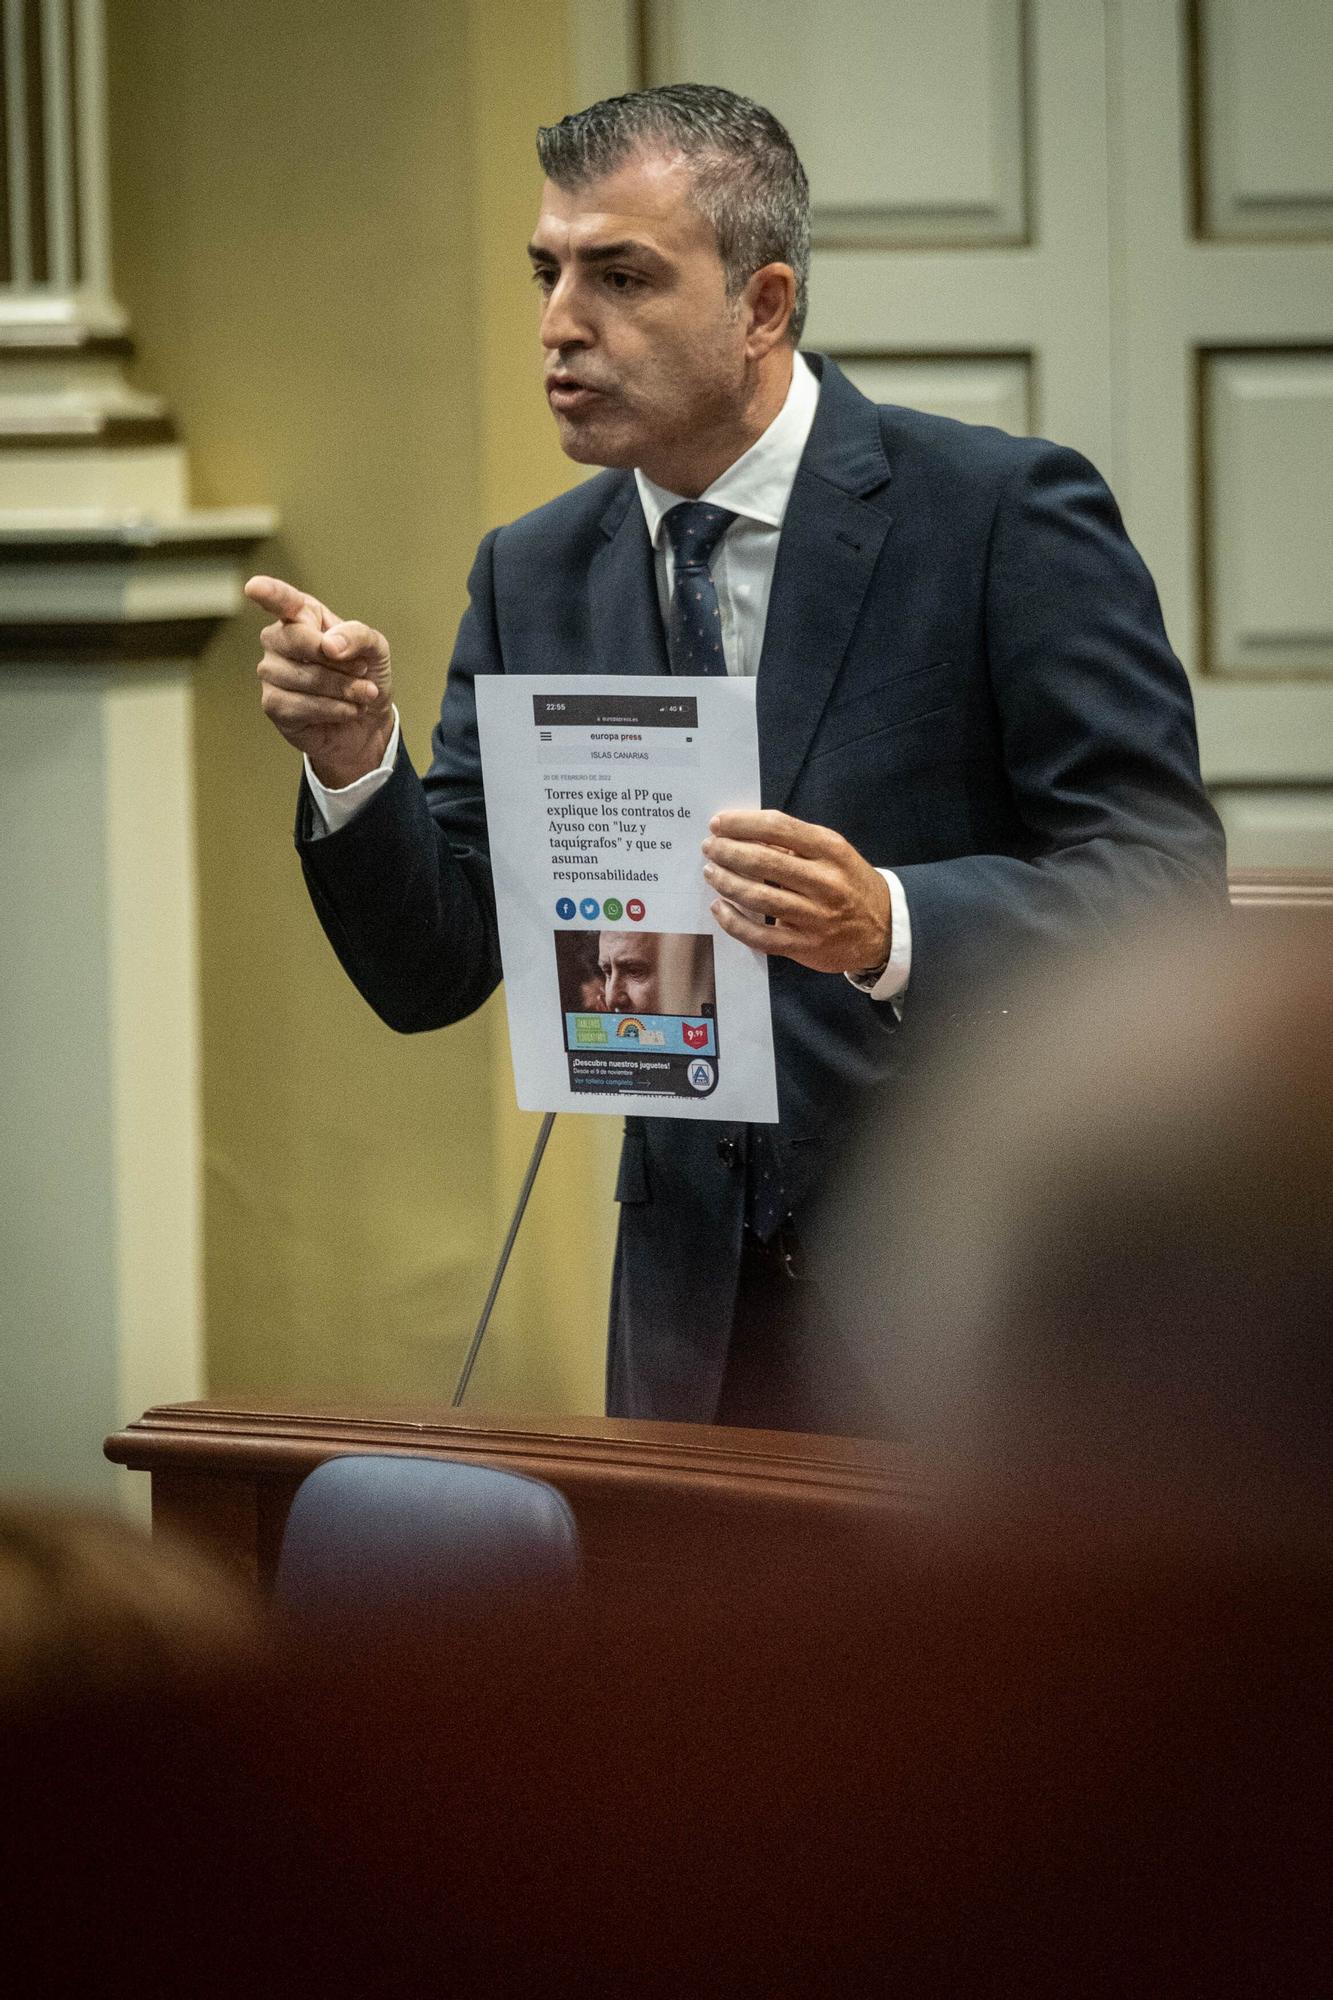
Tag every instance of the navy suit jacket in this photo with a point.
(964, 671)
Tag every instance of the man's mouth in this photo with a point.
(565, 393)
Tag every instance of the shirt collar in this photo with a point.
(758, 485)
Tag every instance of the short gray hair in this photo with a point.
(746, 176)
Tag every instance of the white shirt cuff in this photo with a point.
(892, 982)
(336, 808)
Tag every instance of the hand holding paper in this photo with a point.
(812, 896)
(623, 994)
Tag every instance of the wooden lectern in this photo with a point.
(704, 1500)
(650, 1499)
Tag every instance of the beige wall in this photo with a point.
(319, 218)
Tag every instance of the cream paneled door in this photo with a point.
(1223, 167)
(957, 160)
(1113, 224)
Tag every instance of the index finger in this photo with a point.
(771, 829)
(285, 601)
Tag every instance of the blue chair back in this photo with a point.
(373, 1534)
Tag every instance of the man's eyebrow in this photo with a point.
(603, 253)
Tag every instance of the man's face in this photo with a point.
(628, 964)
(645, 354)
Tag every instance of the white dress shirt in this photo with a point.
(756, 489)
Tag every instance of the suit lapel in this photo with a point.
(622, 591)
(831, 538)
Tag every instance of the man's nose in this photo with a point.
(615, 992)
(563, 325)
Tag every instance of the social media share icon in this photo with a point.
(564, 909)
(701, 1074)
(634, 910)
(590, 909)
(613, 909)
(695, 1038)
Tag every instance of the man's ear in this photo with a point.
(770, 300)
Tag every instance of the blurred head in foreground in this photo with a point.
(1104, 1240)
(89, 1606)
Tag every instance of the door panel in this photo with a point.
(1109, 221)
(1264, 80)
(966, 144)
(1268, 499)
(1223, 328)
(978, 389)
(909, 119)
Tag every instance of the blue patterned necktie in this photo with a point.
(694, 646)
(694, 622)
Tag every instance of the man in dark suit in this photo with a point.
(974, 740)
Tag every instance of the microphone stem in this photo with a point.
(460, 1388)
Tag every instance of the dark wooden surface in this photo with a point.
(647, 1496)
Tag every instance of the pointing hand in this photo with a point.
(327, 685)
